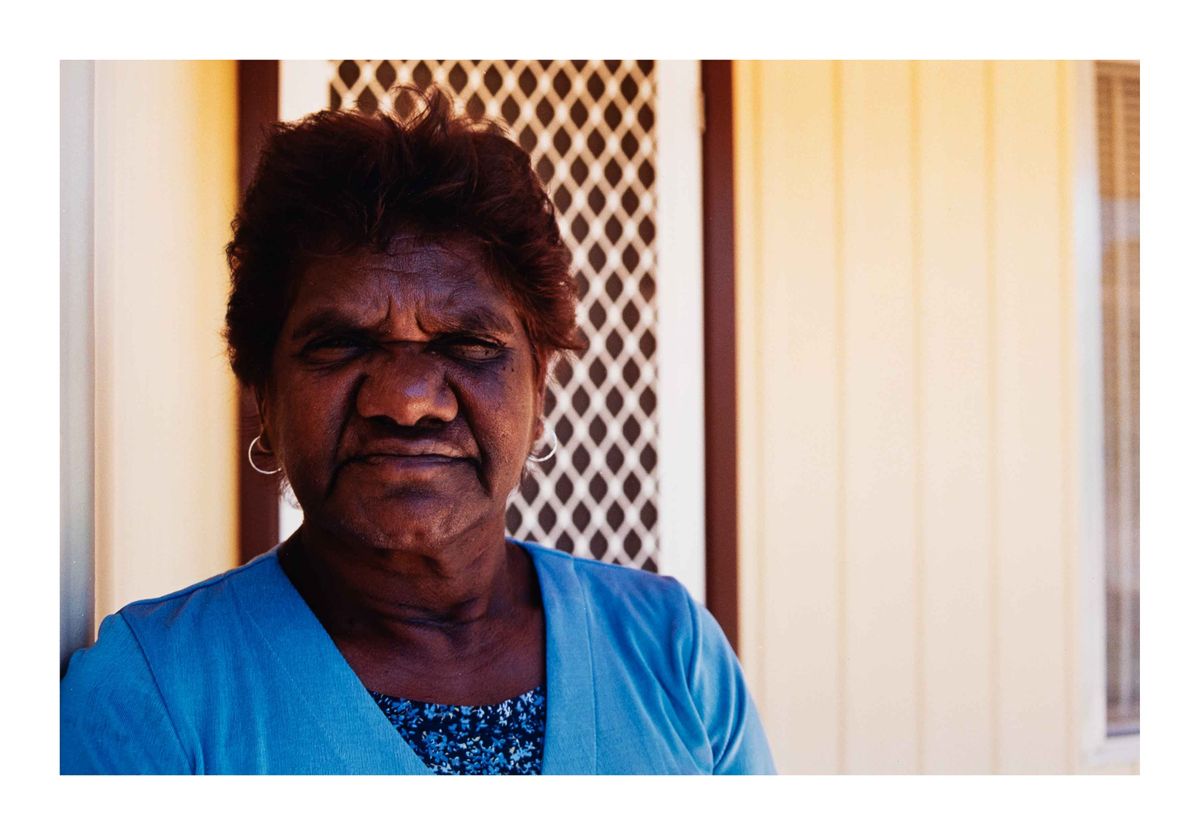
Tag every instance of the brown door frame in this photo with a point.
(258, 495)
(720, 355)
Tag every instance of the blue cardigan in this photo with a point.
(236, 675)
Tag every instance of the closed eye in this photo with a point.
(335, 347)
(342, 347)
(470, 348)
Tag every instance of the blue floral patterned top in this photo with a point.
(505, 738)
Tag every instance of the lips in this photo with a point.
(407, 458)
(407, 469)
(395, 457)
(422, 449)
(398, 460)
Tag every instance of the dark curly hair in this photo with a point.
(338, 182)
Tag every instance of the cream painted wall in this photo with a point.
(916, 448)
(165, 191)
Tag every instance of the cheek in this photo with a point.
(502, 408)
(307, 421)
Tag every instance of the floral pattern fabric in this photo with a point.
(504, 738)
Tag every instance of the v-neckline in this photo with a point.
(358, 731)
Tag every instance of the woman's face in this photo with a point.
(402, 401)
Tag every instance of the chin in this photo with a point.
(418, 526)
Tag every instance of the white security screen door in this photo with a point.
(618, 145)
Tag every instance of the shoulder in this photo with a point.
(136, 631)
(630, 615)
(120, 698)
(629, 595)
(605, 577)
(113, 718)
(204, 602)
(197, 633)
(647, 629)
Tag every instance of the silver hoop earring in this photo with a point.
(553, 449)
(265, 451)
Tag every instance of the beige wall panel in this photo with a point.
(165, 398)
(909, 437)
(748, 246)
(1031, 640)
(800, 414)
(879, 420)
(955, 416)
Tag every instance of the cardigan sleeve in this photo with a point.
(739, 743)
(112, 717)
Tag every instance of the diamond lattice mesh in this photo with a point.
(589, 128)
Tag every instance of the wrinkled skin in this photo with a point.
(418, 358)
(402, 404)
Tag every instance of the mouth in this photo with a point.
(391, 471)
(422, 463)
(415, 461)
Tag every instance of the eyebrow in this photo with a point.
(475, 319)
(324, 321)
(471, 319)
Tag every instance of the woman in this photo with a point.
(400, 293)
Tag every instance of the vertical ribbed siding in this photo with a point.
(880, 419)
(913, 357)
(955, 332)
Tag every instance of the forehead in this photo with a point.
(441, 277)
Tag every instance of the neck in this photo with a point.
(459, 592)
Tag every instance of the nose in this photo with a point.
(408, 387)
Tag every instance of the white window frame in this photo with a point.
(304, 88)
(1098, 749)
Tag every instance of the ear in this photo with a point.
(260, 402)
(539, 406)
(539, 424)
